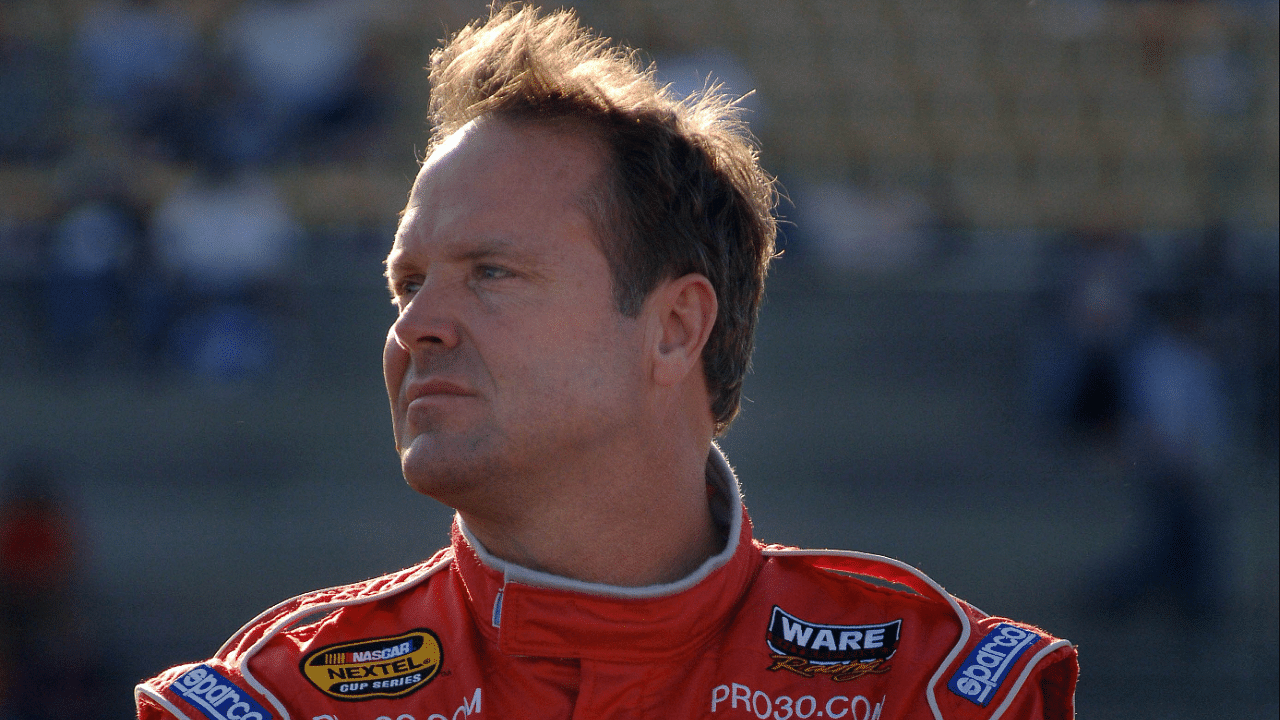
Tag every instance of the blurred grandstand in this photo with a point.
(902, 129)
(1021, 115)
(967, 179)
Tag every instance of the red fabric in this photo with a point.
(698, 653)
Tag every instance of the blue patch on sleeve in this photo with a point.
(987, 666)
(210, 692)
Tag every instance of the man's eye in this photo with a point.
(403, 288)
(492, 272)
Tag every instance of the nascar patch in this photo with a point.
(385, 667)
(216, 697)
(982, 673)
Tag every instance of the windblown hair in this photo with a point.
(685, 192)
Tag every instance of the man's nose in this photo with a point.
(428, 322)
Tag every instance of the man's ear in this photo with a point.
(684, 311)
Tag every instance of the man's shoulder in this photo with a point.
(226, 677)
(313, 608)
(858, 583)
(830, 610)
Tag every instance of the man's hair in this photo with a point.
(684, 191)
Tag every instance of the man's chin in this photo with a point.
(442, 472)
(426, 474)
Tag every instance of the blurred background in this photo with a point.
(1023, 334)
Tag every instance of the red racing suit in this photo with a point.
(759, 631)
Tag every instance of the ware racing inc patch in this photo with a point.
(987, 666)
(843, 652)
(385, 667)
(216, 697)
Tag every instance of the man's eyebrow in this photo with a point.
(487, 248)
(392, 262)
(469, 250)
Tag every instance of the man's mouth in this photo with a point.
(437, 387)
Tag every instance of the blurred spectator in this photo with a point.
(296, 73)
(140, 59)
(86, 280)
(1129, 369)
(1179, 409)
(1093, 317)
(223, 231)
(1176, 432)
(1225, 275)
(50, 661)
(1217, 78)
(225, 238)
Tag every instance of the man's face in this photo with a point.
(508, 361)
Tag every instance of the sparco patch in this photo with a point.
(386, 667)
(843, 652)
(216, 697)
(987, 666)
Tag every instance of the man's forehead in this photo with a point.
(438, 153)
(552, 143)
(450, 143)
(527, 159)
(412, 207)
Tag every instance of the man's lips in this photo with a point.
(436, 388)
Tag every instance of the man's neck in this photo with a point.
(630, 533)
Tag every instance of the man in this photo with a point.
(577, 274)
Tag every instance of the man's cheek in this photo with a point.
(395, 363)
